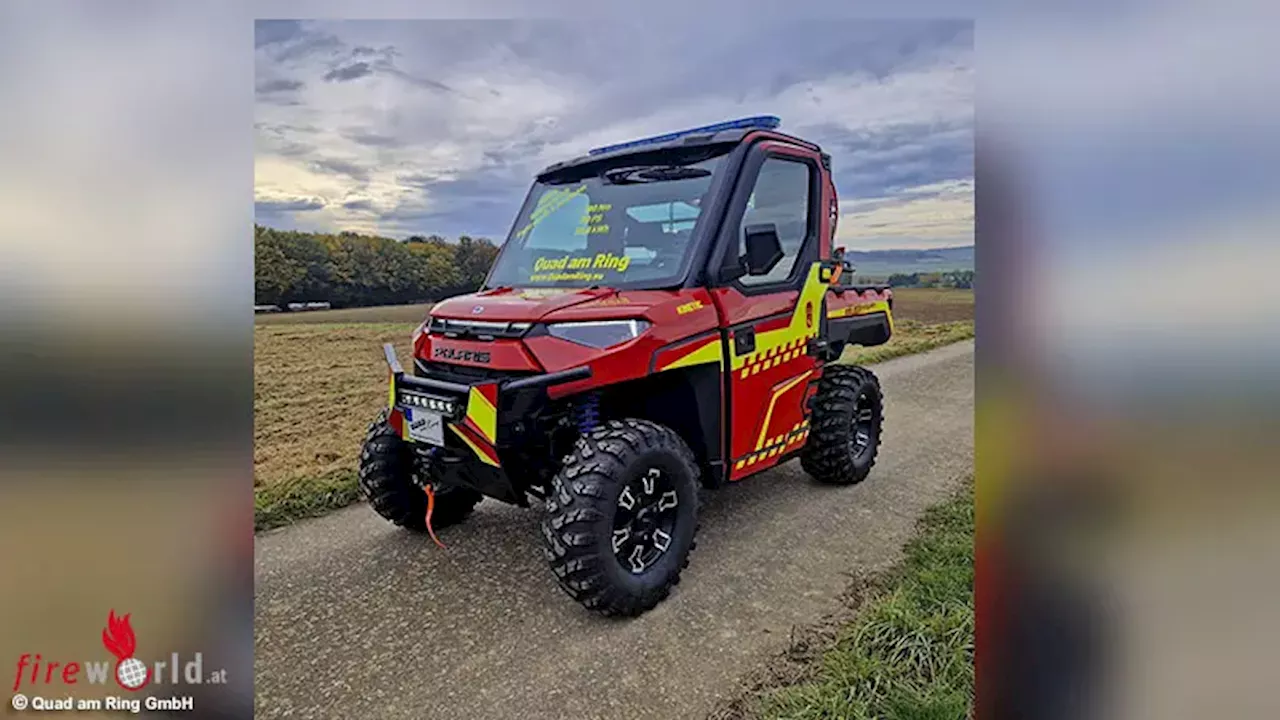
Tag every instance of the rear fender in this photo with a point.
(858, 315)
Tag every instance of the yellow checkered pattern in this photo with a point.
(774, 446)
(764, 359)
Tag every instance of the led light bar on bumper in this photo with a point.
(443, 406)
(598, 334)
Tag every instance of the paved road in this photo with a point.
(356, 619)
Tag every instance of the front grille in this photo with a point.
(477, 329)
(463, 374)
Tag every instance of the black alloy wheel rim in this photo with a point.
(863, 425)
(644, 521)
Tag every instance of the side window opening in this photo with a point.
(781, 197)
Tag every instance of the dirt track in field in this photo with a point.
(358, 619)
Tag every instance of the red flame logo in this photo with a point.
(120, 641)
(118, 637)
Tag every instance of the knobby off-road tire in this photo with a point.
(386, 476)
(845, 426)
(623, 461)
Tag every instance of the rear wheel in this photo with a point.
(847, 415)
(621, 517)
(388, 467)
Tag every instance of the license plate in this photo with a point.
(425, 427)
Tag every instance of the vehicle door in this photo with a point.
(768, 319)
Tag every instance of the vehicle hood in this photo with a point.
(557, 305)
(515, 304)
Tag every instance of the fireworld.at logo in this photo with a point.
(129, 672)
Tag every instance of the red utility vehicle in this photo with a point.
(665, 317)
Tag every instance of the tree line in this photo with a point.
(351, 270)
(954, 279)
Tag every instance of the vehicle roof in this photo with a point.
(685, 141)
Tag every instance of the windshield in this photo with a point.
(630, 227)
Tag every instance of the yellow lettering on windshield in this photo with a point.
(550, 264)
(551, 201)
(570, 267)
(609, 261)
(566, 277)
(592, 222)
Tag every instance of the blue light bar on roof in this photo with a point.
(758, 122)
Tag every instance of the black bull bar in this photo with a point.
(479, 415)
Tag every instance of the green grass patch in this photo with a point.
(908, 653)
(283, 503)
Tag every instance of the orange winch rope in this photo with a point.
(431, 506)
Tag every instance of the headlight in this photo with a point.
(420, 330)
(601, 334)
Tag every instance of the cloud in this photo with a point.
(341, 167)
(370, 138)
(353, 71)
(449, 120)
(287, 41)
(271, 32)
(363, 61)
(933, 215)
(281, 206)
(422, 82)
(278, 85)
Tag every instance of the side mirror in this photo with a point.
(764, 249)
(838, 256)
(729, 273)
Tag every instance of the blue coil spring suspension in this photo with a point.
(587, 413)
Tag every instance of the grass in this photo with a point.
(282, 503)
(933, 305)
(317, 385)
(907, 651)
(380, 314)
(316, 388)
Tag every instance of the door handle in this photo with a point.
(744, 341)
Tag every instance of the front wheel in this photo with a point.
(621, 517)
(387, 480)
(848, 410)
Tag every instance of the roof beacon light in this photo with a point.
(758, 122)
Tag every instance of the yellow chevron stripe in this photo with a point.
(708, 353)
(768, 415)
(483, 414)
(796, 331)
(484, 457)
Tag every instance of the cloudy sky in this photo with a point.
(437, 126)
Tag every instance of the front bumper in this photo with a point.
(478, 421)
